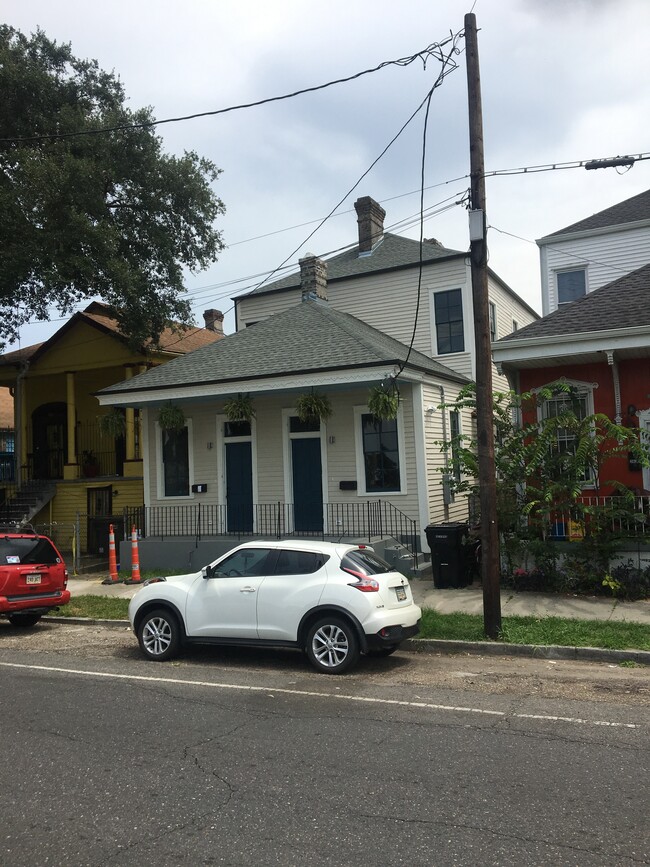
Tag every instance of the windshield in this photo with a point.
(27, 550)
(363, 560)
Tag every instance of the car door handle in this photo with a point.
(247, 590)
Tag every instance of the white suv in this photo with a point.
(335, 601)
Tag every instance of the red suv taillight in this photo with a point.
(364, 583)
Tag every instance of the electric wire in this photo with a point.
(419, 289)
(586, 259)
(445, 60)
(424, 55)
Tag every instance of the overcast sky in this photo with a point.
(561, 81)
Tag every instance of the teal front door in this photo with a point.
(239, 488)
(307, 485)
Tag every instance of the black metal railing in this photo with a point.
(369, 520)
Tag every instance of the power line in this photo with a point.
(571, 164)
(406, 223)
(566, 253)
(431, 51)
(343, 213)
(445, 60)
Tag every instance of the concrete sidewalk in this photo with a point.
(467, 599)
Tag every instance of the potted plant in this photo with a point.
(171, 417)
(239, 408)
(383, 400)
(113, 423)
(313, 406)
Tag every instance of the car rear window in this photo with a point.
(299, 562)
(365, 561)
(27, 550)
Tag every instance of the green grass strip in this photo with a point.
(96, 607)
(613, 635)
(453, 627)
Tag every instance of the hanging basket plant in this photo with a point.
(171, 417)
(239, 408)
(383, 400)
(313, 406)
(112, 424)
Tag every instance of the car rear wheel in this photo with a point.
(24, 620)
(332, 645)
(159, 635)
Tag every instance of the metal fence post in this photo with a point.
(77, 545)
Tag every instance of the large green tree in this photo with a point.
(105, 214)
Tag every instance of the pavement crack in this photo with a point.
(520, 838)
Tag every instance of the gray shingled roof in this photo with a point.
(307, 338)
(630, 211)
(393, 252)
(624, 303)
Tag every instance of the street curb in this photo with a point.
(87, 621)
(533, 651)
(473, 648)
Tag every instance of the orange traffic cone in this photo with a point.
(112, 560)
(135, 558)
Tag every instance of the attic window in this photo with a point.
(571, 285)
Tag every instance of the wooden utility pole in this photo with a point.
(490, 560)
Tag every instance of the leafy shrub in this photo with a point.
(630, 582)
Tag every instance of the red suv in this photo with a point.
(33, 577)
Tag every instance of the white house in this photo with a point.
(595, 251)
(378, 280)
(339, 328)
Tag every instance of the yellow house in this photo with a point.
(76, 472)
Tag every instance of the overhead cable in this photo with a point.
(431, 51)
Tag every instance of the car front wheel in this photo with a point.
(24, 620)
(159, 635)
(332, 646)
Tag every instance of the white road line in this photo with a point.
(302, 692)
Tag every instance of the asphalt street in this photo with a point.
(237, 758)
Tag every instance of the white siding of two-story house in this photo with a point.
(605, 254)
(388, 302)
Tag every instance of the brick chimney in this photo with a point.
(213, 320)
(313, 278)
(370, 217)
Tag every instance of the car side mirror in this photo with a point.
(209, 571)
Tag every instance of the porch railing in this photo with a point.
(614, 515)
(369, 520)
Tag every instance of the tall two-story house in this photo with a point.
(378, 280)
(387, 311)
(595, 251)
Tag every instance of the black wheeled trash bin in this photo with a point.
(448, 560)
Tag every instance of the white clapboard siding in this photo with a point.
(254, 308)
(509, 309)
(269, 464)
(606, 256)
(389, 301)
(434, 429)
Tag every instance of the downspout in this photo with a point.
(617, 385)
(445, 483)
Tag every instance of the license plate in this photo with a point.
(401, 593)
(33, 579)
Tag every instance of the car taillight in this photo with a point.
(65, 578)
(364, 583)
